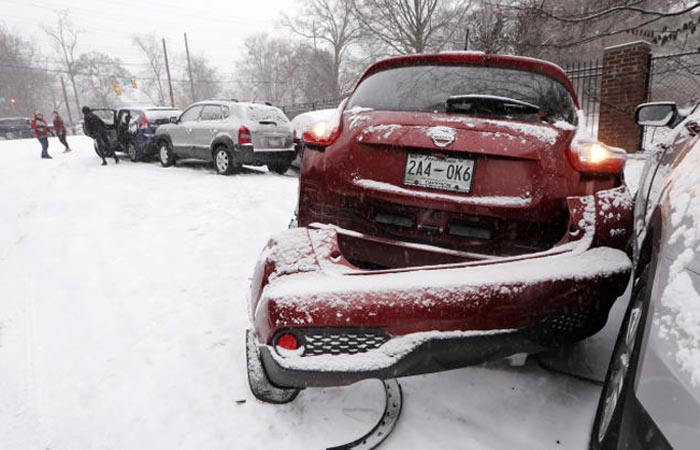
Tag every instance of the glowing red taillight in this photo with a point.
(244, 136)
(144, 122)
(288, 342)
(596, 157)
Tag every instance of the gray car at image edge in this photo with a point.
(229, 134)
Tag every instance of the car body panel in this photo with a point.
(16, 128)
(668, 378)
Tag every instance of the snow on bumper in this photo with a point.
(436, 316)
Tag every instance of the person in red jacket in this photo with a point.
(41, 131)
(59, 127)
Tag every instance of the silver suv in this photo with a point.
(229, 133)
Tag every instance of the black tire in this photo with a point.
(223, 160)
(279, 167)
(165, 154)
(132, 151)
(619, 378)
(9, 135)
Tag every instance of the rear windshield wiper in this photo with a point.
(268, 122)
(489, 105)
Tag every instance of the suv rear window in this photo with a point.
(426, 88)
(262, 113)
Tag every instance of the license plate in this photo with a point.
(447, 174)
(274, 142)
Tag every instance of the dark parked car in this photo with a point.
(651, 397)
(454, 210)
(16, 128)
(230, 134)
(136, 130)
(133, 130)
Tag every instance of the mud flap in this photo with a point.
(259, 384)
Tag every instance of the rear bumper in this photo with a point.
(403, 356)
(246, 154)
(445, 309)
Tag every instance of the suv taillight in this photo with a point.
(244, 136)
(144, 122)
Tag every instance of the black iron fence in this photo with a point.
(587, 79)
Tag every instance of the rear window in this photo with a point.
(263, 113)
(426, 88)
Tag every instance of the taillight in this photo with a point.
(288, 342)
(322, 134)
(596, 157)
(244, 136)
(144, 122)
(295, 138)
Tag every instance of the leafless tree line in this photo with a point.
(334, 41)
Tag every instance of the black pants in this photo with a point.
(103, 147)
(62, 140)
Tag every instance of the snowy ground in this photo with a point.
(122, 318)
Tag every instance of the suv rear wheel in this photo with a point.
(165, 154)
(223, 160)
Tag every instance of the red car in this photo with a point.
(454, 211)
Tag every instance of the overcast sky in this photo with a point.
(215, 28)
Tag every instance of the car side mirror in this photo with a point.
(657, 114)
(173, 119)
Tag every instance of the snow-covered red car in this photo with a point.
(455, 210)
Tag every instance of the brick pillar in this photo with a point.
(624, 86)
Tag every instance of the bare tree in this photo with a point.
(329, 23)
(153, 52)
(65, 37)
(99, 73)
(206, 79)
(577, 23)
(22, 78)
(411, 26)
(284, 72)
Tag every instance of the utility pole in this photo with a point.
(189, 68)
(65, 99)
(167, 70)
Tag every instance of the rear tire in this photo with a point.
(134, 154)
(279, 167)
(9, 135)
(223, 160)
(165, 154)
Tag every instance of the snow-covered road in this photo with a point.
(122, 317)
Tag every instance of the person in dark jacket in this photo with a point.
(94, 127)
(41, 132)
(59, 128)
